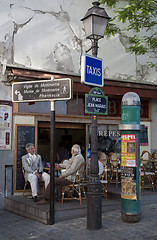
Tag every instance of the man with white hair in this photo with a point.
(33, 167)
(68, 175)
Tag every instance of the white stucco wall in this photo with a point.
(49, 35)
(24, 120)
(5, 88)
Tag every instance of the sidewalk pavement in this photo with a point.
(14, 227)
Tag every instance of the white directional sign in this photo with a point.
(92, 71)
(45, 90)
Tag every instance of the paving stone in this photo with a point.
(14, 227)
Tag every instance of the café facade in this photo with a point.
(31, 121)
(37, 44)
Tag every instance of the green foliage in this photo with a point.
(112, 29)
(140, 17)
(140, 14)
(137, 46)
(110, 3)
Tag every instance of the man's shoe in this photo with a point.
(35, 199)
(43, 202)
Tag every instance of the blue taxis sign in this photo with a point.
(92, 71)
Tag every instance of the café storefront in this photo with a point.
(32, 121)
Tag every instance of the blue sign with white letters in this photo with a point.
(91, 71)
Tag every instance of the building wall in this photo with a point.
(7, 163)
(6, 156)
(49, 36)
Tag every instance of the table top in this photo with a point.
(48, 168)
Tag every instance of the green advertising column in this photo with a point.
(130, 158)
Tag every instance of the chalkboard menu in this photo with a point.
(24, 134)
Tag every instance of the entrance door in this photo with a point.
(66, 134)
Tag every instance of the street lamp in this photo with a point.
(95, 22)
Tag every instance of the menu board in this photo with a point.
(24, 134)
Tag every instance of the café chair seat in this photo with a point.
(40, 184)
(103, 177)
(76, 189)
(115, 168)
(147, 173)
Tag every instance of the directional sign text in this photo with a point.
(44, 90)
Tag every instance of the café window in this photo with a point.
(109, 139)
(76, 106)
(43, 107)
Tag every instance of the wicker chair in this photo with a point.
(147, 173)
(26, 182)
(40, 184)
(115, 168)
(154, 165)
(77, 187)
(103, 177)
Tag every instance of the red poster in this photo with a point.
(129, 150)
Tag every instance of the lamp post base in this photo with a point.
(94, 206)
(131, 217)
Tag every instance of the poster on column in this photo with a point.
(129, 150)
(5, 127)
(128, 166)
(128, 183)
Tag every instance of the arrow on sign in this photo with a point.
(16, 92)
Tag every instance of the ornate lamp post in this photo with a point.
(95, 22)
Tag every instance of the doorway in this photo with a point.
(65, 135)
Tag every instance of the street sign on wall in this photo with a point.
(45, 90)
(92, 71)
(96, 102)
